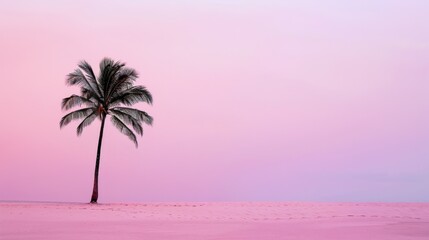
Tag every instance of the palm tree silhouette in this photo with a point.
(106, 95)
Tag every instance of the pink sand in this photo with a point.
(240, 220)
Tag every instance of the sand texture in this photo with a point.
(240, 220)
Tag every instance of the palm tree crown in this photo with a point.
(110, 94)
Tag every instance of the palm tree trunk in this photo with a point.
(97, 162)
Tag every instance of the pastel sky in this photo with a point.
(253, 100)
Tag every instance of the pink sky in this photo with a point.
(253, 100)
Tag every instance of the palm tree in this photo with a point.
(106, 95)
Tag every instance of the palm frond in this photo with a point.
(131, 96)
(81, 113)
(78, 78)
(91, 95)
(124, 79)
(75, 100)
(108, 71)
(84, 65)
(86, 122)
(124, 129)
(128, 73)
(130, 120)
(135, 113)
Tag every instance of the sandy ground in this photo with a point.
(241, 220)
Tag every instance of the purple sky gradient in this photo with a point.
(253, 100)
